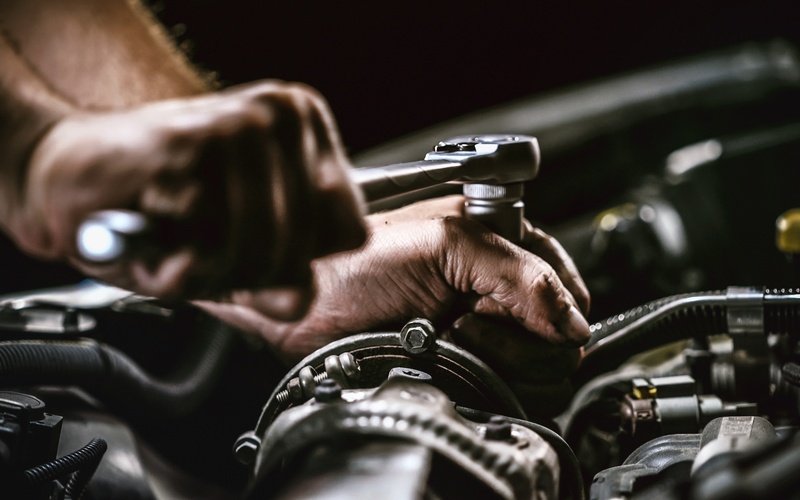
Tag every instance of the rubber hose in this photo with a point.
(791, 373)
(781, 317)
(118, 381)
(83, 461)
(684, 316)
(76, 486)
(613, 324)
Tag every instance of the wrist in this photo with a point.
(17, 216)
(28, 111)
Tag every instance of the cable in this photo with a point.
(81, 464)
(115, 379)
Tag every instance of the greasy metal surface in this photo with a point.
(519, 467)
(453, 369)
(389, 470)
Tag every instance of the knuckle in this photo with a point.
(291, 97)
(548, 286)
(459, 229)
(455, 232)
(249, 115)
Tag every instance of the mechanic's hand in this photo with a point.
(247, 185)
(426, 260)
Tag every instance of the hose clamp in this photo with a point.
(745, 311)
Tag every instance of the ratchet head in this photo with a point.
(494, 168)
(490, 159)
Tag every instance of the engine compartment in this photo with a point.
(691, 393)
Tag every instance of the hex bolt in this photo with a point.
(246, 448)
(328, 391)
(417, 336)
(498, 429)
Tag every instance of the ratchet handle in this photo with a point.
(107, 235)
(492, 168)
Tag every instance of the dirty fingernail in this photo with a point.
(575, 327)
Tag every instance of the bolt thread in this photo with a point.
(283, 396)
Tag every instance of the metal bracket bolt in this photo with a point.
(328, 391)
(417, 336)
(498, 428)
(246, 448)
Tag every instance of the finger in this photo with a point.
(334, 220)
(341, 207)
(286, 338)
(551, 251)
(166, 277)
(476, 260)
(280, 304)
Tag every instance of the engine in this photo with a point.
(685, 226)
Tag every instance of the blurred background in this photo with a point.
(670, 131)
(391, 68)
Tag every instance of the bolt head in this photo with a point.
(246, 450)
(498, 429)
(328, 391)
(417, 336)
(295, 390)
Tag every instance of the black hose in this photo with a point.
(791, 373)
(571, 478)
(80, 479)
(115, 379)
(613, 324)
(81, 464)
(672, 319)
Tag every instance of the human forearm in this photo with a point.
(99, 54)
(61, 58)
(28, 108)
(233, 174)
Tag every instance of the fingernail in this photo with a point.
(575, 327)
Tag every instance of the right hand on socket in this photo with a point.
(426, 260)
(250, 181)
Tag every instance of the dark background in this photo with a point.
(390, 68)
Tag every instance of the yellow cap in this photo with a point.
(787, 231)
